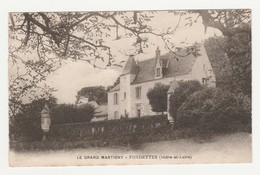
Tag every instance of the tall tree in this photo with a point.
(93, 93)
(34, 108)
(227, 21)
(233, 73)
(235, 26)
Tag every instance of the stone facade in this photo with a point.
(129, 99)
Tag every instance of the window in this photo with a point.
(158, 72)
(124, 95)
(116, 115)
(138, 92)
(138, 110)
(115, 99)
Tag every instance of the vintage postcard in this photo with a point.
(130, 87)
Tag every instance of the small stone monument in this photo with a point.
(45, 121)
(171, 90)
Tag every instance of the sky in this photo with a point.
(73, 76)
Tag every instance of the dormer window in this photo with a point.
(158, 72)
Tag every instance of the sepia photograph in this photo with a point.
(135, 87)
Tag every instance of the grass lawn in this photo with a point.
(231, 148)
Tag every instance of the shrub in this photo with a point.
(181, 94)
(23, 128)
(68, 113)
(212, 110)
(158, 97)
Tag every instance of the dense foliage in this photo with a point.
(158, 97)
(22, 128)
(33, 109)
(26, 124)
(93, 93)
(67, 113)
(217, 111)
(181, 94)
(230, 57)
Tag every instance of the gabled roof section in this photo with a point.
(164, 62)
(130, 66)
(116, 88)
(177, 65)
(101, 110)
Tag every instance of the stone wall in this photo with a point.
(107, 129)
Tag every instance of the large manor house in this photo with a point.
(129, 97)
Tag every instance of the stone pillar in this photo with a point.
(45, 121)
(170, 118)
(174, 85)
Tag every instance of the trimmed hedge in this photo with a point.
(68, 113)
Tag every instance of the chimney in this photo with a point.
(157, 52)
(131, 57)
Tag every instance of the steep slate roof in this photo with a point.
(145, 70)
(130, 66)
(179, 66)
(116, 88)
